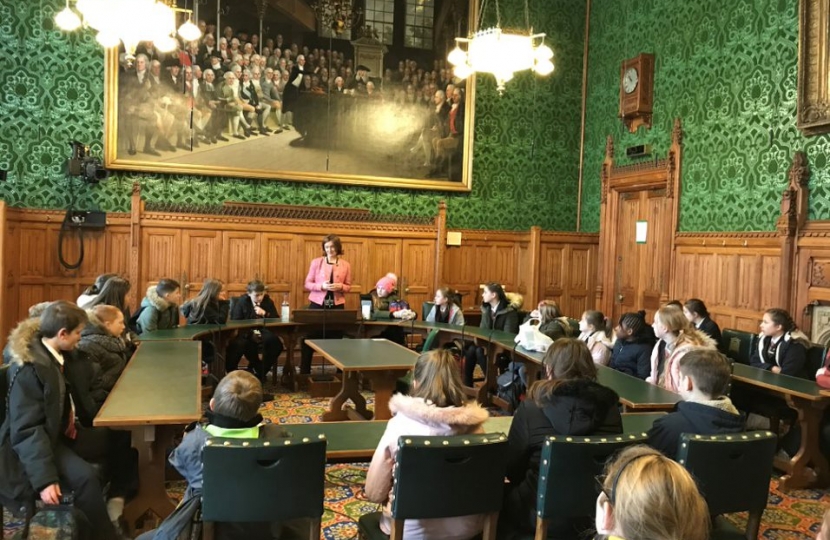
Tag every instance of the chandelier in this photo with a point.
(500, 53)
(130, 22)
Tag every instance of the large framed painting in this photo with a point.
(370, 102)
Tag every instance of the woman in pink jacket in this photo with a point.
(329, 279)
(436, 406)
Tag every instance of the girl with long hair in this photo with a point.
(676, 336)
(568, 401)
(436, 405)
(210, 306)
(594, 332)
(445, 308)
(695, 310)
(93, 290)
(782, 347)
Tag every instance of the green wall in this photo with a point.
(526, 142)
(728, 69)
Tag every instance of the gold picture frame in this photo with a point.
(813, 117)
(373, 149)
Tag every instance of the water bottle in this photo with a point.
(285, 312)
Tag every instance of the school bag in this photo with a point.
(512, 384)
(132, 324)
(55, 522)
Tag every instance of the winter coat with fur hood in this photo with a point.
(667, 375)
(414, 416)
(157, 313)
(576, 407)
(36, 420)
(600, 346)
(506, 319)
(790, 354)
(108, 352)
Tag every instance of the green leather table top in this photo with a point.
(364, 354)
(160, 385)
(782, 384)
(359, 439)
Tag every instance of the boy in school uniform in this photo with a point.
(705, 409)
(39, 433)
(160, 308)
(233, 413)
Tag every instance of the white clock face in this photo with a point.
(630, 80)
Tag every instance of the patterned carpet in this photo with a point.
(792, 515)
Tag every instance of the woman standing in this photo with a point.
(329, 279)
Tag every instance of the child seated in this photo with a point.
(646, 495)
(705, 409)
(233, 413)
(436, 406)
(159, 309)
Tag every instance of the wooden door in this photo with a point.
(417, 273)
(632, 275)
(641, 268)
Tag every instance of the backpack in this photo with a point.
(512, 384)
(132, 324)
(58, 522)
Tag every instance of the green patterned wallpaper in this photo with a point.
(728, 69)
(526, 154)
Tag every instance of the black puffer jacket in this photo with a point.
(634, 356)
(109, 353)
(36, 419)
(579, 407)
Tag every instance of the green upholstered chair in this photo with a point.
(256, 480)
(815, 359)
(733, 473)
(738, 345)
(426, 307)
(440, 477)
(567, 491)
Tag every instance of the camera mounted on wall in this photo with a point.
(87, 167)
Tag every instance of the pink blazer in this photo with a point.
(319, 272)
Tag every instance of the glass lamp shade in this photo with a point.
(189, 31)
(67, 20)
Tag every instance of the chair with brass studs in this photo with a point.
(567, 492)
(733, 473)
(262, 480)
(442, 477)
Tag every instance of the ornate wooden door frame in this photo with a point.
(617, 180)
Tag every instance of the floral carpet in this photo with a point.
(791, 515)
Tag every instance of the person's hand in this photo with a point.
(776, 369)
(51, 494)
(259, 311)
(335, 287)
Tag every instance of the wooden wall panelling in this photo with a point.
(161, 255)
(811, 275)
(581, 265)
(384, 256)
(241, 255)
(735, 274)
(568, 271)
(279, 269)
(201, 259)
(552, 274)
(417, 269)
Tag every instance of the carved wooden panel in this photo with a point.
(384, 257)
(581, 268)
(553, 278)
(33, 260)
(29, 295)
(118, 250)
(161, 254)
(417, 270)
(240, 257)
(280, 270)
(356, 251)
(200, 259)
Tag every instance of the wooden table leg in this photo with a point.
(152, 443)
(809, 419)
(349, 391)
(383, 383)
(289, 376)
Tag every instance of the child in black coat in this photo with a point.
(705, 409)
(632, 349)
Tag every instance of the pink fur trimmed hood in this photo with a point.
(459, 420)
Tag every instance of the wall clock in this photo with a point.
(637, 91)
